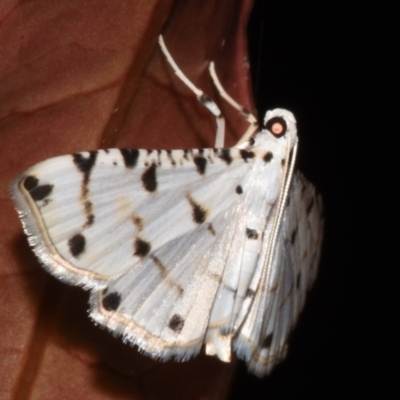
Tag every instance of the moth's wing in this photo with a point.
(242, 274)
(262, 340)
(90, 216)
(154, 228)
(164, 304)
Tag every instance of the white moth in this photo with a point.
(185, 247)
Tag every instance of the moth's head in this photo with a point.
(281, 124)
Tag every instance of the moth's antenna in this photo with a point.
(243, 111)
(201, 96)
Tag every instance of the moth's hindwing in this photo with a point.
(262, 340)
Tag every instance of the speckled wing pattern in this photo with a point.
(182, 248)
(292, 273)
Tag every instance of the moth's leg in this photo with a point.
(201, 96)
(244, 112)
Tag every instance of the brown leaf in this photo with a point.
(79, 75)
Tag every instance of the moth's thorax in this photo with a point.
(265, 142)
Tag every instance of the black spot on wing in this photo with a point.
(77, 245)
(225, 155)
(268, 156)
(246, 154)
(37, 192)
(239, 189)
(141, 248)
(199, 213)
(162, 268)
(90, 217)
(268, 341)
(298, 280)
(251, 141)
(30, 182)
(149, 178)
(111, 301)
(171, 159)
(230, 289)
(166, 278)
(41, 192)
(250, 293)
(201, 164)
(85, 164)
(293, 235)
(87, 205)
(251, 234)
(138, 222)
(130, 157)
(211, 229)
(176, 323)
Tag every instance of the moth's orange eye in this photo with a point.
(277, 126)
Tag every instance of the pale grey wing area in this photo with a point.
(94, 216)
(262, 340)
(163, 303)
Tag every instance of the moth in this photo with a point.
(184, 248)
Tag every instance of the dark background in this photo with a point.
(333, 65)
